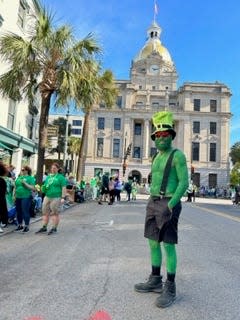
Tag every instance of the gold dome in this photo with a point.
(154, 45)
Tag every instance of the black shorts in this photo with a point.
(104, 190)
(169, 232)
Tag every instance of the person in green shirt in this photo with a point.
(164, 235)
(54, 188)
(24, 186)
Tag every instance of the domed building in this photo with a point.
(120, 137)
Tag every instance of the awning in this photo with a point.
(2, 145)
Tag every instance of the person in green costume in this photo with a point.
(24, 186)
(166, 236)
(54, 189)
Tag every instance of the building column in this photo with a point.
(146, 140)
(33, 162)
(17, 159)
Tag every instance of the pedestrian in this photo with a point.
(169, 183)
(111, 191)
(190, 192)
(3, 201)
(54, 188)
(104, 188)
(24, 187)
(128, 188)
(118, 188)
(134, 190)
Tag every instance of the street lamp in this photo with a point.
(66, 142)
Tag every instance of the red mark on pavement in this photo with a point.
(34, 318)
(101, 315)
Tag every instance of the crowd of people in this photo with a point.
(21, 198)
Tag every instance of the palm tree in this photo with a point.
(74, 144)
(101, 89)
(48, 60)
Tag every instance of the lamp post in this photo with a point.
(66, 143)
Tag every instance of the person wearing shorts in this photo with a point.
(54, 189)
(164, 235)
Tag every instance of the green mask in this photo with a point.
(163, 143)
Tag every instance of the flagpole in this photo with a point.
(154, 10)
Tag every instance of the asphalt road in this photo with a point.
(99, 254)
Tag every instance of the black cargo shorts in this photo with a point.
(169, 231)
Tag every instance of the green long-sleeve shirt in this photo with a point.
(178, 176)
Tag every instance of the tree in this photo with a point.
(48, 60)
(61, 124)
(235, 153)
(74, 145)
(102, 89)
(235, 175)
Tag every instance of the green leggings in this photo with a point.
(156, 255)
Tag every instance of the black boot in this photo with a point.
(167, 296)
(154, 284)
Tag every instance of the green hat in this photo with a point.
(163, 121)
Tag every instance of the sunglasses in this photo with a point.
(162, 134)
(23, 170)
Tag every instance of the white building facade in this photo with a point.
(18, 120)
(201, 112)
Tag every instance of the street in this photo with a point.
(99, 254)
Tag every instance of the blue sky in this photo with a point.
(201, 36)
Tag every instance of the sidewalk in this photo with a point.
(11, 227)
(197, 199)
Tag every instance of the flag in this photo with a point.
(155, 8)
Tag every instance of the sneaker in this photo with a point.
(25, 229)
(19, 228)
(42, 230)
(1, 230)
(53, 230)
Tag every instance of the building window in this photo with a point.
(76, 131)
(140, 87)
(98, 172)
(195, 151)
(153, 151)
(196, 179)
(102, 105)
(137, 129)
(22, 12)
(213, 127)
(119, 101)
(116, 148)
(77, 123)
(155, 104)
(100, 147)
(117, 124)
(212, 180)
(136, 152)
(101, 123)
(196, 104)
(153, 87)
(213, 149)
(196, 126)
(213, 105)
(11, 114)
(139, 103)
(114, 172)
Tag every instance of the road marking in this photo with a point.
(110, 223)
(217, 213)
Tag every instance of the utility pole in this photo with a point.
(65, 166)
